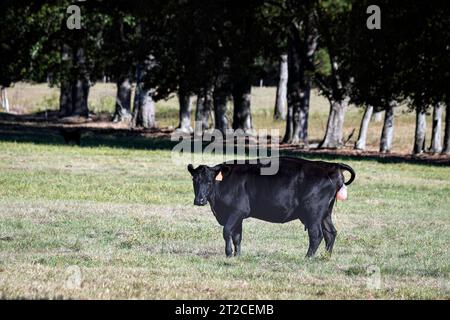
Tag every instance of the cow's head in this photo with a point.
(203, 178)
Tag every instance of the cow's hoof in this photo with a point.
(326, 255)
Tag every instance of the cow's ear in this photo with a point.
(225, 170)
(190, 168)
(221, 171)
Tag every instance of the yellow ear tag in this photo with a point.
(219, 176)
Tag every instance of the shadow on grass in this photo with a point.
(334, 155)
(90, 137)
(159, 139)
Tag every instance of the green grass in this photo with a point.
(125, 218)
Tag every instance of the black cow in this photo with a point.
(301, 189)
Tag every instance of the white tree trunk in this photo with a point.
(185, 113)
(145, 114)
(123, 100)
(421, 127)
(144, 105)
(387, 133)
(335, 126)
(5, 101)
(436, 145)
(361, 143)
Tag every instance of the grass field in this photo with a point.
(119, 223)
(114, 219)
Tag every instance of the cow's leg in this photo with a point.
(329, 233)
(237, 237)
(315, 237)
(227, 233)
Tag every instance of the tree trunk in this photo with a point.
(147, 110)
(203, 110)
(74, 91)
(436, 145)
(144, 105)
(123, 100)
(144, 116)
(220, 97)
(297, 116)
(297, 94)
(446, 149)
(220, 109)
(184, 114)
(419, 137)
(361, 143)
(301, 115)
(335, 125)
(281, 98)
(80, 97)
(81, 85)
(5, 101)
(73, 99)
(65, 98)
(388, 130)
(242, 115)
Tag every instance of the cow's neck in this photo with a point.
(213, 194)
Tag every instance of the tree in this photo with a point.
(374, 70)
(215, 46)
(425, 59)
(75, 53)
(333, 20)
(16, 37)
(121, 36)
(302, 44)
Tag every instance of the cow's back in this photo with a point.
(292, 193)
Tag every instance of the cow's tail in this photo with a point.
(349, 169)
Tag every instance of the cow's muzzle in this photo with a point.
(200, 202)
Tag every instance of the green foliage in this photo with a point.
(322, 62)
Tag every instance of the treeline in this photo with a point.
(216, 50)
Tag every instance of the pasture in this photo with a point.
(114, 219)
